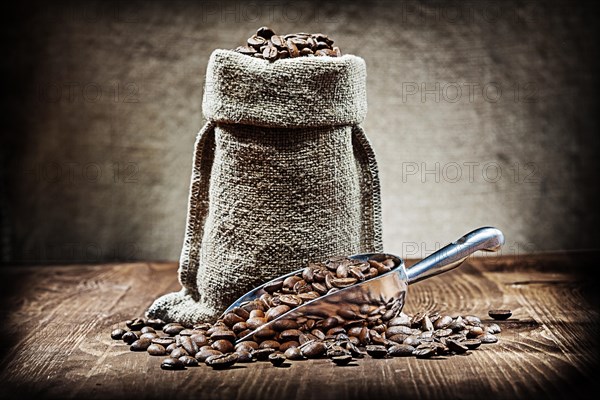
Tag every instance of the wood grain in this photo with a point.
(56, 341)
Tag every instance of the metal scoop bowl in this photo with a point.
(385, 293)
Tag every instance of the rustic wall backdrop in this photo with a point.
(480, 114)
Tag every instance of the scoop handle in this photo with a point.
(455, 253)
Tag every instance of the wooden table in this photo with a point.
(57, 320)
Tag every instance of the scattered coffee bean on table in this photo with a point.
(500, 314)
(379, 331)
(268, 45)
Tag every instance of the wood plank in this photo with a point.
(56, 341)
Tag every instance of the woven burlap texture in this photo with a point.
(283, 174)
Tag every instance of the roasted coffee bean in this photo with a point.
(244, 356)
(178, 352)
(456, 346)
(171, 363)
(475, 332)
(276, 312)
(294, 353)
(156, 350)
(273, 344)
(286, 345)
(442, 333)
(426, 324)
(394, 330)
(224, 346)
(222, 361)
(173, 329)
(171, 347)
(117, 334)
(188, 361)
(265, 32)
(189, 345)
(400, 320)
(500, 314)
(129, 337)
(155, 323)
(412, 341)
(493, 329)
(204, 353)
(223, 334)
(424, 352)
(290, 300)
(376, 351)
(277, 359)
(443, 322)
(400, 350)
(148, 335)
(343, 359)
(263, 354)
(313, 350)
(295, 45)
(231, 319)
(135, 324)
(472, 320)
(141, 344)
(471, 344)
(487, 338)
(147, 329)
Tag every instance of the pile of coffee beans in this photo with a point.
(254, 332)
(266, 44)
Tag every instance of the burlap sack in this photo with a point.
(283, 174)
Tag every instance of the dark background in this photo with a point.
(480, 113)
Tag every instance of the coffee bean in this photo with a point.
(276, 312)
(294, 353)
(400, 350)
(147, 329)
(376, 351)
(156, 350)
(178, 352)
(224, 346)
(343, 359)
(173, 329)
(223, 334)
(155, 323)
(263, 354)
(277, 359)
(265, 32)
(401, 320)
(313, 349)
(244, 356)
(222, 361)
(171, 363)
(204, 353)
(456, 346)
(471, 344)
(171, 347)
(426, 325)
(190, 346)
(141, 344)
(487, 338)
(500, 314)
(443, 322)
(442, 333)
(424, 352)
(117, 334)
(475, 332)
(493, 329)
(148, 335)
(188, 361)
(135, 324)
(472, 320)
(129, 337)
(272, 344)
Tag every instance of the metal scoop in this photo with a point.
(384, 292)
